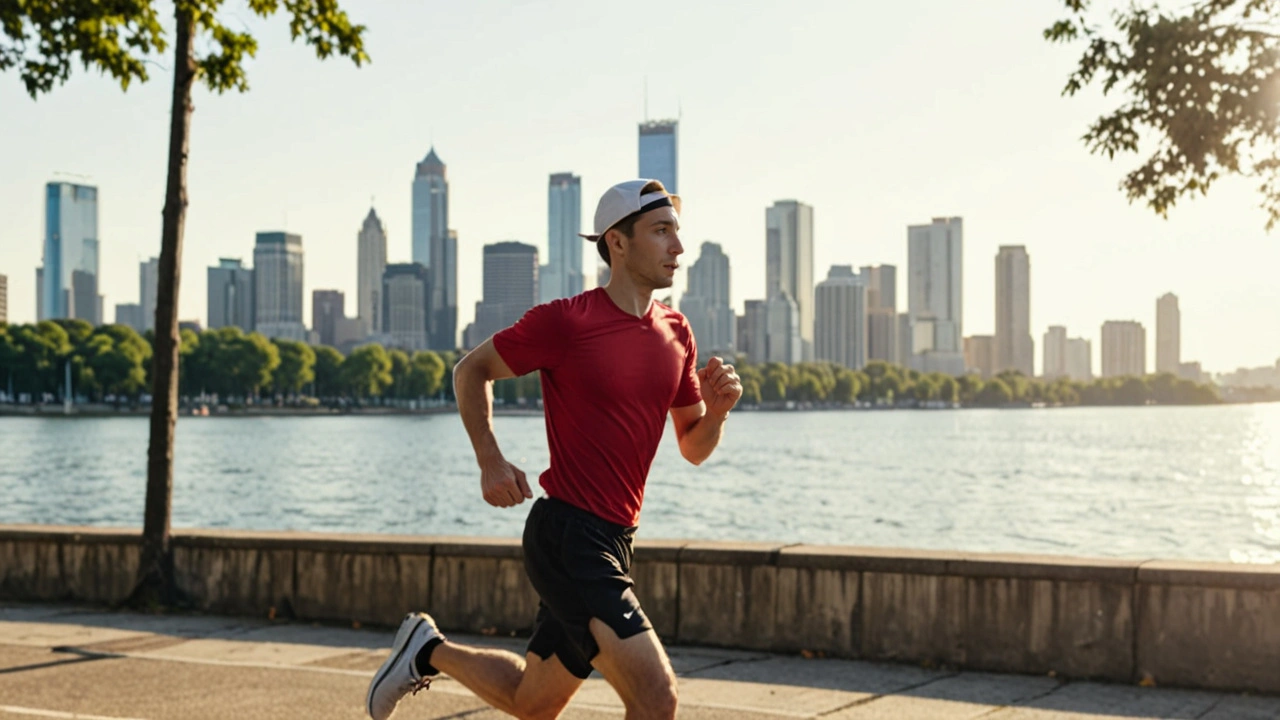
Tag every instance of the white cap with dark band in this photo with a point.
(624, 200)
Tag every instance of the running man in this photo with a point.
(614, 364)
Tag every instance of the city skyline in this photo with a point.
(1003, 177)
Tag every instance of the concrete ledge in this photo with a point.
(1203, 574)
(1207, 625)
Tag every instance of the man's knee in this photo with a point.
(658, 698)
(542, 707)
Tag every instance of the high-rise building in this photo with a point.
(231, 295)
(371, 262)
(86, 302)
(444, 301)
(882, 311)
(782, 336)
(328, 310)
(1079, 359)
(4, 298)
(840, 305)
(935, 284)
(882, 286)
(789, 263)
(659, 152)
(510, 288)
(753, 332)
(277, 274)
(1015, 349)
(430, 207)
(68, 280)
(980, 355)
(435, 246)
(1124, 348)
(905, 339)
(148, 290)
(705, 304)
(882, 335)
(1055, 353)
(1168, 334)
(130, 315)
(405, 306)
(562, 275)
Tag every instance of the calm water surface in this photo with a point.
(1200, 483)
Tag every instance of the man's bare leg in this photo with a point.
(529, 688)
(639, 670)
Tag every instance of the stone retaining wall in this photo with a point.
(1189, 624)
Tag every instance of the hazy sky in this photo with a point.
(879, 115)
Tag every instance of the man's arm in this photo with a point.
(697, 431)
(502, 483)
(699, 427)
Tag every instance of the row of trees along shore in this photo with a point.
(114, 362)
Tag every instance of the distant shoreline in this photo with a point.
(106, 411)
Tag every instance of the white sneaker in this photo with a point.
(398, 676)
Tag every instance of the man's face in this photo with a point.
(653, 248)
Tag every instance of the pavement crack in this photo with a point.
(877, 696)
(1024, 701)
(1211, 707)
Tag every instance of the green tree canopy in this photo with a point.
(1200, 82)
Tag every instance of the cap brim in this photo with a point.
(586, 236)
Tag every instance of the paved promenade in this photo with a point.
(87, 664)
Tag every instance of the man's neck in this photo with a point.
(630, 297)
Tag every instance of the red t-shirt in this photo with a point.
(608, 380)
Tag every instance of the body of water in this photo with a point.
(1169, 482)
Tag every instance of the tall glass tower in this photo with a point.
(659, 152)
(68, 281)
(562, 275)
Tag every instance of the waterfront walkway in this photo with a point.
(89, 664)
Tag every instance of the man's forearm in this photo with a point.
(703, 437)
(475, 404)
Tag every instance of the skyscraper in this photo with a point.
(1079, 359)
(148, 288)
(935, 286)
(980, 355)
(371, 263)
(70, 247)
(882, 311)
(789, 263)
(1015, 349)
(1055, 353)
(328, 309)
(1168, 334)
(405, 305)
(1124, 348)
(659, 152)
(430, 207)
(840, 335)
(231, 295)
(510, 287)
(705, 304)
(435, 246)
(277, 272)
(4, 298)
(753, 332)
(130, 315)
(782, 335)
(562, 275)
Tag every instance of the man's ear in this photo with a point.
(614, 239)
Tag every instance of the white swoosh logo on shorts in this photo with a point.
(627, 615)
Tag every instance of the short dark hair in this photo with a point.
(627, 225)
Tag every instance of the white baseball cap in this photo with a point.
(623, 200)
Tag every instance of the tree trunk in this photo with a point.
(156, 586)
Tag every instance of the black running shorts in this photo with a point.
(580, 566)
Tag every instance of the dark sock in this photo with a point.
(422, 661)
